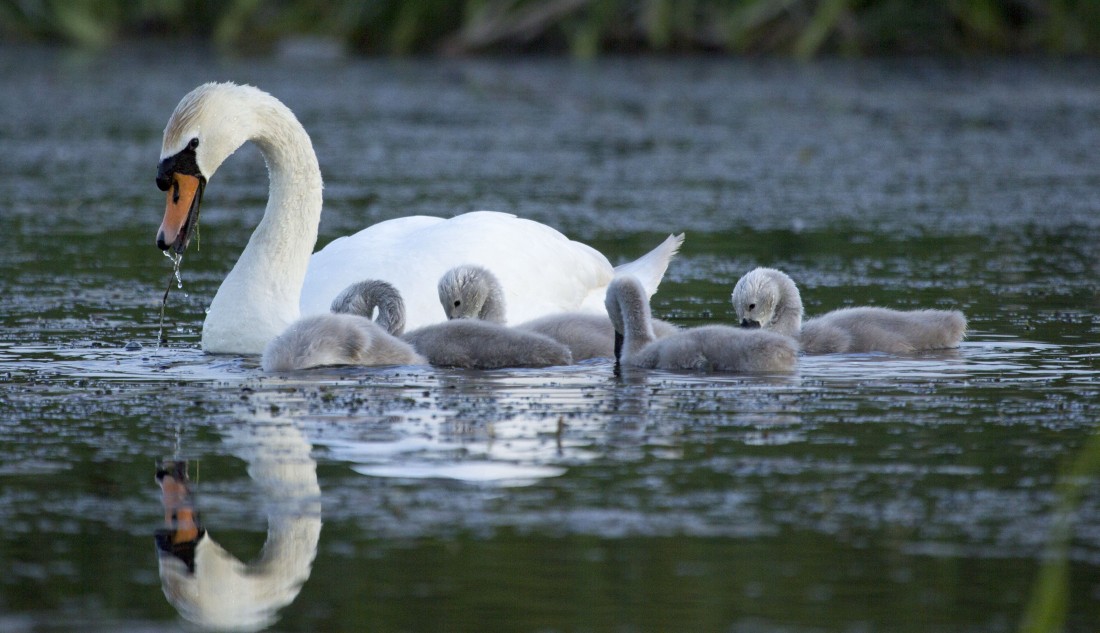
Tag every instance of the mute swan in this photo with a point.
(473, 292)
(706, 348)
(276, 279)
(769, 298)
(207, 584)
(463, 343)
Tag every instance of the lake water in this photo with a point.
(863, 493)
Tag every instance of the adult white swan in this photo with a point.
(278, 277)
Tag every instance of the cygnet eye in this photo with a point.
(752, 306)
(457, 303)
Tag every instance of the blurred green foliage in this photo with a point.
(583, 28)
(1049, 604)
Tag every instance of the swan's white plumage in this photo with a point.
(276, 280)
(259, 297)
(541, 270)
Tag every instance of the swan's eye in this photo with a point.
(457, 303)
(194, 143)
(752, 306)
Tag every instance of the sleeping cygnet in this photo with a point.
(473, 292)
(348, 336)
(768, 298)
(718, 348)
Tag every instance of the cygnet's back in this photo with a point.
(708, 348)
(586, 335)
(336, 339)
(720, 348)
(473, 292)
(768, 298)
(872, 329)
(475, 344)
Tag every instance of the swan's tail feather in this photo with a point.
(650, 268)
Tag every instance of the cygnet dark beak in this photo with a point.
(749, 323)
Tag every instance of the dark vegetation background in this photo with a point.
(581, 28)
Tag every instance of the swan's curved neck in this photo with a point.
(259, 297)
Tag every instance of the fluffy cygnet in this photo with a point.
(767, 298)
(470, 344)
(708, 348)
(483, 345)
(336, 339)
(349, 337)
(473, 292)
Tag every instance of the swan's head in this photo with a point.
(207, 126)
(761, 299)
(471, 292)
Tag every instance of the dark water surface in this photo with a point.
(864, 493)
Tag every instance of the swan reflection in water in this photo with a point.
(209, 586)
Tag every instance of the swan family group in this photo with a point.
(421, 289)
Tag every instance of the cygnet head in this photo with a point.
(472, 292)
(767, 298)
(207, 126)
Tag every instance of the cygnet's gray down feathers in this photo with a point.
(768, 298)
(707, 348)
(336, 339)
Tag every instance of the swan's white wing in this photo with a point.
(540, 269)
(648, 269)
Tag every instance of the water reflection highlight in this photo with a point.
(207, 584)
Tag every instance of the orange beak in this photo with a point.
(179, 511)
(181, 213)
